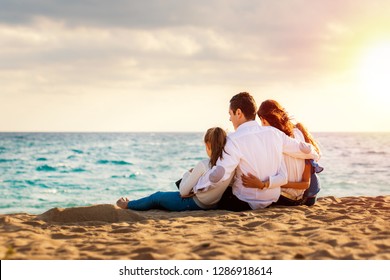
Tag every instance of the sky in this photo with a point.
(173, 65)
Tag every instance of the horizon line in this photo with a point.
(75, 131)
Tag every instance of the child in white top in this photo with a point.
(187, 198)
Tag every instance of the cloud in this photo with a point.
(80, 48)
(121, 13)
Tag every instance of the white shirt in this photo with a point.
(206, 197)
(257, 150)
(190, 179)
(295, 168)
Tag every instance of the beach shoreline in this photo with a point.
(355, 228)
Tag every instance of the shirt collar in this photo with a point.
(247, 124)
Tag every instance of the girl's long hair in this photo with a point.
(277, 116)
(216, 136)
(308, 137)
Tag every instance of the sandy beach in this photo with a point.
(335, 228)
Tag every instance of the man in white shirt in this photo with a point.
(252, 149)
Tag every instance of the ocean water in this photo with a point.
(39, 171)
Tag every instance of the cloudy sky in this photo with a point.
(173, 65)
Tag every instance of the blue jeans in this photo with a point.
(171, 201)
(310, 195)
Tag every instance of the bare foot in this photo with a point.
(122, 202)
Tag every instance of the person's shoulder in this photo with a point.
(248, 127)
(275, 134)
(232, 135)
(272, 130)
(204, 164)
(298, 134)
(254, 129)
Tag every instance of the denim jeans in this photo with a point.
(310, 195)
(171, 201)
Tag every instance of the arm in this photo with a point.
(298, 149)
(190, 178)
(305, 183)
(296, 185)
(227, 165)
(251, 181)
(278, 180)
(221, 174)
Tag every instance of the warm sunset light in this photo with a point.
(374, 70)
(148, 66)
(201, 139)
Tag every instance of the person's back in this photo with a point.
(260, 150)
(295, 168)
(300, 185)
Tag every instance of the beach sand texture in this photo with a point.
(335, 228)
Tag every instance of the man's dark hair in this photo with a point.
(245, 102)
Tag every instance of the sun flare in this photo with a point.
(374, 70)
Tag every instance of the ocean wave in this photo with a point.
(114, 162)
(375, 153)
(364, 164)
(131, 176)
(16, 184)
(31, 182)
(46, 167)
(3, 160)
(41, 159)
(74, 170)
(77, 151)
(77, 170)
(117, 177)
(36, 183)
(193, 158)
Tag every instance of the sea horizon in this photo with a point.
(157, 131)
(67, 169)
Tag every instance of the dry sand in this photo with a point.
(335, 228)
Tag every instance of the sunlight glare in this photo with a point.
(374, 73)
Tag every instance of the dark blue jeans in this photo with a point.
(171, 201)
(310, 195)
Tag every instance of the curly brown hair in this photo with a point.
(277, 116)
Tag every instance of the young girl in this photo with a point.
(186, 198)
(303, 184)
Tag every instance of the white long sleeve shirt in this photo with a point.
(190, 178)
(257, 150)
(207, 197)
